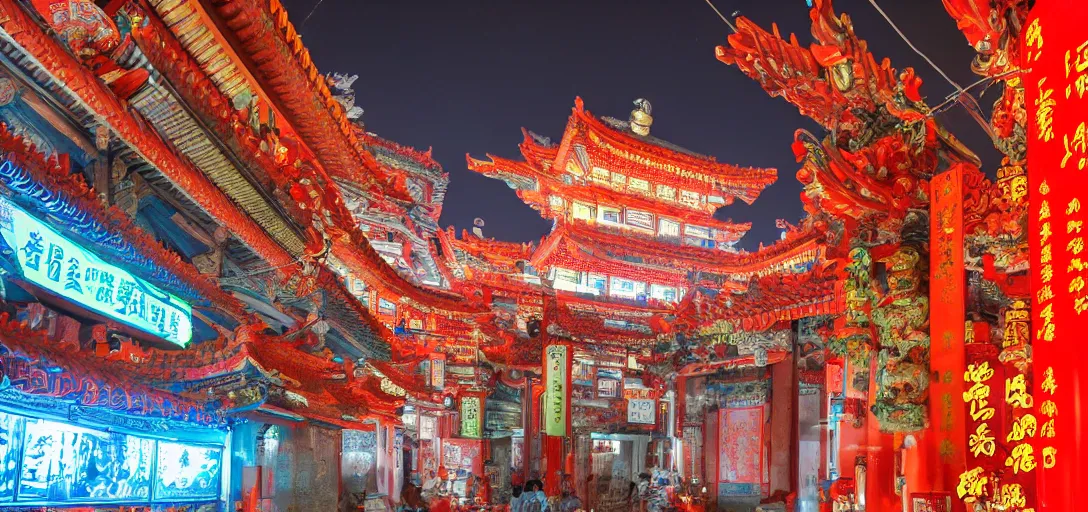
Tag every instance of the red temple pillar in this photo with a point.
(940, 457)
(879, 459)
(558, 359)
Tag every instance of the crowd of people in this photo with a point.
(647, 494)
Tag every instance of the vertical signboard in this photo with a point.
(438, 371)
(1054, 58)
(946, 291)
(557, 389)
(472, 416)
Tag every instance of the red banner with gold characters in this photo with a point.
(982, 402)
(947, 312)
(1054, 57)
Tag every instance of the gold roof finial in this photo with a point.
(641, 118)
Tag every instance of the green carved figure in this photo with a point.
(901, 317)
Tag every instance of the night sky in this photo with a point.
(465, 76)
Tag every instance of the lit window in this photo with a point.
(601, 174)
(566, 279)
(555, 201)
(699, 236)
(597, 282)
(610, 215)
(583, 212)
(639, 185)
(697, 231)
(665, 293)
(666, 192)
(639, 219)
(621, 287)
(690, 198)
(666, 227)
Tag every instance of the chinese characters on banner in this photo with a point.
(947, 294)
(49, 260)
(472, 417)
(982, 424)
(557, 364)
(1054, 57)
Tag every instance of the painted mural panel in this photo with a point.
(187, 472)
(359, 460)
(740, 444)
(306, 466)
(66, 463)
(11, 434)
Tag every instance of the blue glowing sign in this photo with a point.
(49, 260)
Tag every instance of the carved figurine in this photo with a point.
(93, 37)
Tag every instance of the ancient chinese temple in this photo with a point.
(220, 289)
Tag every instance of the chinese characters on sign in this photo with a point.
(981, 440)
(50, 261)
(556, 394)
(471, 417)
(641, 411)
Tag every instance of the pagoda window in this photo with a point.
(639, 219)
(666, 192)
(618, 180)
(597, 282)
(639, 185)
(665, 293)
(668, 228)
(582, 211)
(566, 279)
(699, 236)
(620, 287)
(555, 201)
(690, 198)
(601, 174)
(610, 215)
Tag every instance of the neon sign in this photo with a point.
(49, 260)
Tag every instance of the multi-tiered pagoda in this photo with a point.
(633, 214)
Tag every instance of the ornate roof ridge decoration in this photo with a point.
(769, 300)
(149, 145)
(283, 63)
(830, 101)
(423, 158)
(118, 232)
(799, 244)
(754, 179)
(351, 245)
(993, 28)
(488, 248)
(86, 380)
(533, 186)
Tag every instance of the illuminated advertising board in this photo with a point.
(64, 268)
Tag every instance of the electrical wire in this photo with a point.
(307, 18)
(912, 47)
(722, 16)
(960, 95)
